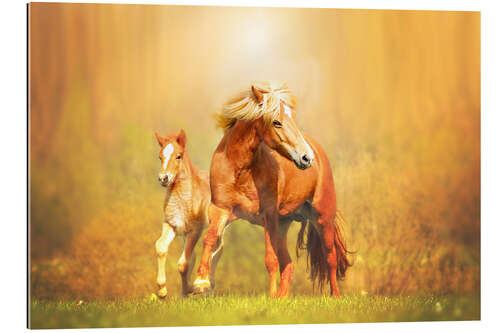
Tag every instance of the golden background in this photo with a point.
(393, 97)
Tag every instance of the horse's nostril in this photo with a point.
(305, 158)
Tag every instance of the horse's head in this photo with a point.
(282, 134)
(171, 156)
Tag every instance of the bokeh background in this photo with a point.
(393, 97)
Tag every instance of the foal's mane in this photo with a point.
(245, 106)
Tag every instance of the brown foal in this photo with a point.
(185, 207)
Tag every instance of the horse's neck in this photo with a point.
(242, 144)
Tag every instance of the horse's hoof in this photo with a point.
(201, 287)
(186, 293)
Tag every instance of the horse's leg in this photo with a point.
(219, 247)
(285, 261)
(218, 218)
(325, 205)
(162, 244)
(328, 234)
(187, 260)
(271, 258)
(324, 225)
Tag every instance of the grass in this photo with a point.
(250, 310)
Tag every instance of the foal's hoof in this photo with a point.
(201, 287)
(162, 293)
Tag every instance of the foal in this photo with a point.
(185, 208)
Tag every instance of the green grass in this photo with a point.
(257, 309)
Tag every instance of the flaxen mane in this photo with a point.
(244, 106)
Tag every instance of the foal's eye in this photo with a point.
(178, 157)
(276, 124)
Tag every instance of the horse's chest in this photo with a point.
(247, 195)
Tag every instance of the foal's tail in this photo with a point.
(317, 253)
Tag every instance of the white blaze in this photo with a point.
(309, 150)
(167, 152)
(288, 112)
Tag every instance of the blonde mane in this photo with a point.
(245, 106)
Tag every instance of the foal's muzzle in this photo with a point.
(163, 179)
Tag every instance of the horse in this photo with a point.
(185, 207)
(267, 172)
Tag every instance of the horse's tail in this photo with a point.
(317, 264)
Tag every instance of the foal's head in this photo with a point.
(280, 132)
(173, 146)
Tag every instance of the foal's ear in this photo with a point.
(259, 94)
(160, 139)
(181, 138)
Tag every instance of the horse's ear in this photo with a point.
(259, 94)
(181, 138)
(160, 139)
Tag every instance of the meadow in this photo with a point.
(227, 309)
(393, 97)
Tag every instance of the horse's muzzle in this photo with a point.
(304, 162)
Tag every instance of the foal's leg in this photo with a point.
(162, 244)
(271, 258)
(286, 264)
(218, 218)
(187, 260)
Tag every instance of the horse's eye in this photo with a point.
(178, 157)
(276, 124)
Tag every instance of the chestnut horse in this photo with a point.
(266, 171)
(185, 207)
